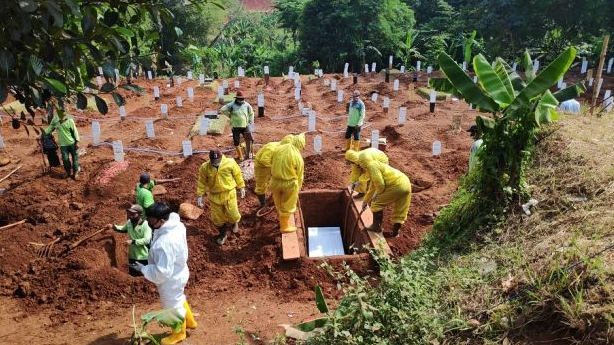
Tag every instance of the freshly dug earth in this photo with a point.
(84, 283)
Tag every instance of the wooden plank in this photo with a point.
(290, 248)
(377, 239)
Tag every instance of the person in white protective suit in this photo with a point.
(167, 267)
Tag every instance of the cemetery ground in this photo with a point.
(244, 287)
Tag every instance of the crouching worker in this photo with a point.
(359, 179)
(167, 267)
(287, 174)
(219, 178)
(139, 233)
(388, 186)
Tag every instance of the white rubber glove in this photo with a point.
(138, 266)
(199, 201)
(242, 192)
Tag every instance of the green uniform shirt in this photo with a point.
(356, 114)
(64, 127)
(140, 235)
(240, 115)
(144, 197)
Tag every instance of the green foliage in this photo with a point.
(518, 110)
(336, 32)
(411, 304)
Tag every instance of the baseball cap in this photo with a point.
(215, 155)
(135, 209)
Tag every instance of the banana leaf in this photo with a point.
(312, 325)
(548, 77)
(528, 66)
(490, 81)
(465, 86)
(545, 111)
(505, 77)
(167, 317)
(320, 301)
(570, 92)
(517, 83)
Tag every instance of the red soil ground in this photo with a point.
(88, 295)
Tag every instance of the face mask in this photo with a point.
(217, 165)
(238, 102)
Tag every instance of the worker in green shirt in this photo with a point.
(68, 138)
(241, 115)
(140, 236)
(356, 117)
(144, 194)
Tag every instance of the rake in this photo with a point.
(45, 249)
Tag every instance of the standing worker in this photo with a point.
(168, 268)
(144, 194)
(359, 179)
(140, 235)
(68, 137)
(356, 116)
(219, 179)
(262, 167)
(388, 186)
(287, 174)
(241, 116)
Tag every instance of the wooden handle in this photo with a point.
(12, 225)
(74, 245)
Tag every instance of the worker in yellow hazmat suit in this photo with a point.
(388, 186)
(262, 167)
(359, 179)
(287, 170)
(220, 178)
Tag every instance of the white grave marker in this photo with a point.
(402, 115)
(475, 79)
(312, 122)
(260, 100)
(340, 94)
(317, 144)
(418, 66)
(225, 83)
(333, 85)
(429, 70)
(395, 85)
(187, 148)
(149, 129)
(100, 71)
(2, 145)
(266, 69)
(149, 75)
(346, 67)
(514, 66)
(373, 65)
(297, 94)
(204, 126)
(610, 63)
(436, 148)
(386, 102)
(366, 68)
(608, 100)
(290, 70)
(599, 84)
(402, 69)
(201, 78)
(122, 112)
(116, 74)
(237, 84)
(191, 93)
(464, 65)
(390, 61)
(220, 93)
(584, 67)
(433, 96)
(536, 65)
(560, 83)
(179, 102)
(190, 75)
(95, 132)
(374, 97)
(375, 138)
(591, 81)
(164, 110)
(564, 85)
(156, 92)
(179, 80)
(118, 151)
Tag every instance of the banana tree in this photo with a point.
(518, 108)
(468, 41)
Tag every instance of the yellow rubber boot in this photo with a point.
(284, 224)
(239, 153)
(190, 322)
(356, 145)
(175, 337)
(348, 144)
